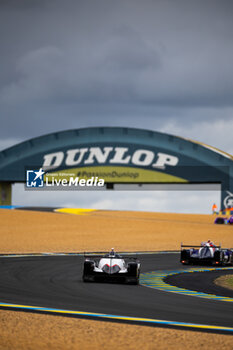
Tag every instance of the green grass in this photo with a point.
(225, 281)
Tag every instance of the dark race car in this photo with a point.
(111, 267)
(220, 220)
(206, 253)
(223, 220)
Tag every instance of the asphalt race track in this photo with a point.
(206, 285)
(56, 282)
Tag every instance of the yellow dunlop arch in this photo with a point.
(116, 174)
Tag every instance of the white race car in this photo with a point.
(111, 267)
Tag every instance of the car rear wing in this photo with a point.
(196, 246)
(100, 255)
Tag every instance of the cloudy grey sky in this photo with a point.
(162, 65)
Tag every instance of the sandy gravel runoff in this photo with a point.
(27, 231)
(32, 331)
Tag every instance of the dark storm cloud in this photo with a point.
(68, 64)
